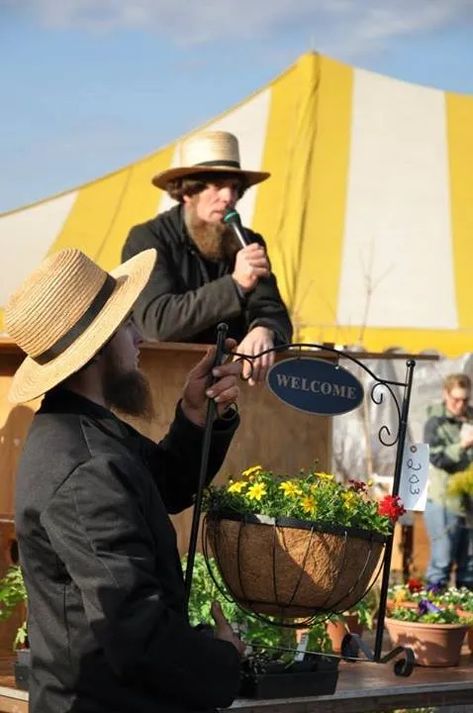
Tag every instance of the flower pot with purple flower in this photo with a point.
(434, 631)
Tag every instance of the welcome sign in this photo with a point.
(315, 386)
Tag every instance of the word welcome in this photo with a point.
(326, 388)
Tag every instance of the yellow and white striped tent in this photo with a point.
(368, 214)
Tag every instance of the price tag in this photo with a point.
(414, 476)
(301, 647)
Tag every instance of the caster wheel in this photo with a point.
(403, 667)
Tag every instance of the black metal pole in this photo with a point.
(395, 491)
(222, 330)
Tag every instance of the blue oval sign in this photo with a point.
(315, 386)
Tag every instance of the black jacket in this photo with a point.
(107, 619)
(184, 301)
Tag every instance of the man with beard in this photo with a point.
(107, 619)
(204, 276)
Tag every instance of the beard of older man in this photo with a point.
(215, 241)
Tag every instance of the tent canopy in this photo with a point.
(368, 214)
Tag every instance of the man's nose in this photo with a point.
(229, 194)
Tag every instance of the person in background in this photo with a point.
(449, 433)
(204, 276)
(107, 614)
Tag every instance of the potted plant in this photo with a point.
(433, 629)
(12, 596)
(296, 547)
(407, 594)
(462, 600)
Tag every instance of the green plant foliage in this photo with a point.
(311, 497)
(12, 593)
(441, 616)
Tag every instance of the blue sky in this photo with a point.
(88, 86)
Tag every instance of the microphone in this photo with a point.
(232, 218)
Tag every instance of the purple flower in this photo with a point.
(425, 607)
(435, 587)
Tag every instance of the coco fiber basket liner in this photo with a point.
(291, 568)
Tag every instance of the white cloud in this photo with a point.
(352, 26)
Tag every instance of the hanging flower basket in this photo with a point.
(297, 547)
(292, 568)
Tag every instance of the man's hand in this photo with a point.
(224, 631)
(251, 263)
(198, 387)
(257, 340)
(466, 440)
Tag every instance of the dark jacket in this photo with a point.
(107, 619)
(447, 456)
(187, 296)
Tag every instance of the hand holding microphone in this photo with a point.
(251, 262)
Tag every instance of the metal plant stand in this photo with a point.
(352, 645)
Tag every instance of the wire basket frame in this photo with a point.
(316, 569)
(386, 437)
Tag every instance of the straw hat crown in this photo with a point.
(66, 279)
(209, 152)
(65, 312)
(210, 147)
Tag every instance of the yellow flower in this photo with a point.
(256, 491)
(348, 498)
(237, 487)
(308, 504)
(399, 597)
(251, 472)
(290, 489)
(325, 476)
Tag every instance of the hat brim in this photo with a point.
(32, 379)
(162, 179)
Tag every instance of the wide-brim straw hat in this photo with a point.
(209, 152)
(65, 312)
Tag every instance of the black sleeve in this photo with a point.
(266, 308)
(175, 461)
(96, 525)
(167, 309)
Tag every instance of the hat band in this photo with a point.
(230, 164)
(81, 325)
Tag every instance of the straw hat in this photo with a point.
(209, 152)
(65, 311)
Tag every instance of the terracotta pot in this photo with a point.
(433, 644)
(292, 569)
(337, 630)
(469, 634)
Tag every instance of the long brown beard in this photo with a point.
(215, 241)
(128, 392)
